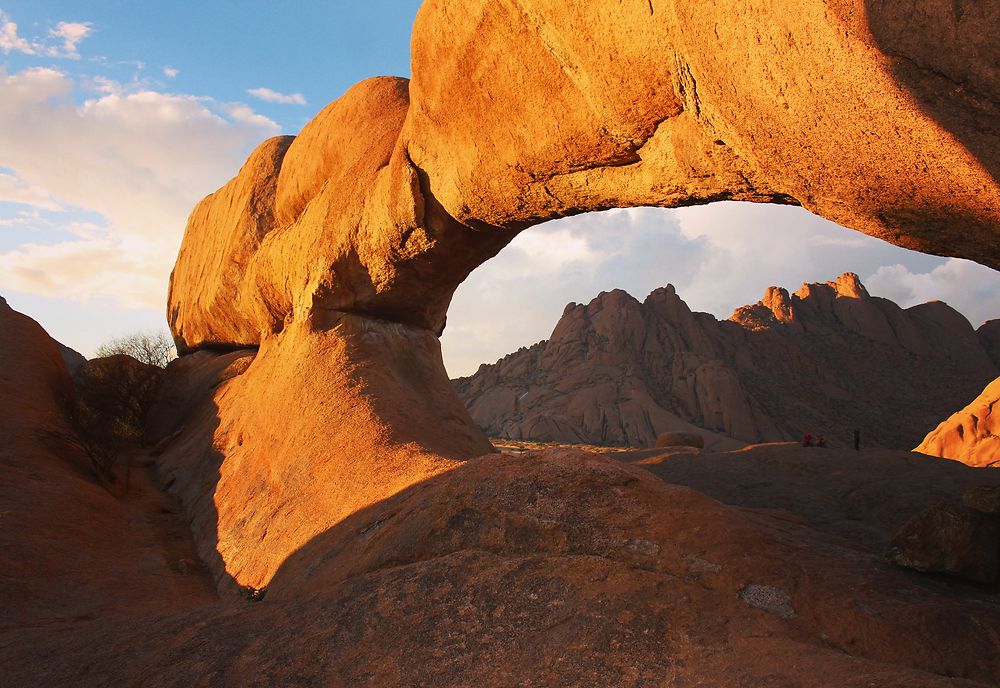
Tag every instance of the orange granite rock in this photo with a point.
(971, 435)
(530, 110)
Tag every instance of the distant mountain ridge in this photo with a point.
(825, 360)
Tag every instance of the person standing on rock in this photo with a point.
(857, 440)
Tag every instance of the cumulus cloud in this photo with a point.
(9, 40)
(81, 270)
(139, 160)
(245, 113)
(272, 96)
(170, 72)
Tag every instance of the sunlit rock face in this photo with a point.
(971, 435)
(524, 111)
(823, 361)
(519, 112)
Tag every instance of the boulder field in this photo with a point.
(320, 455)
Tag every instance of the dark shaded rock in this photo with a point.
(985, 499)
(951, 539)
(680, 439)
(822, 361)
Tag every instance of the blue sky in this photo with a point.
(117, 117)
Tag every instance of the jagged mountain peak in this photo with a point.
(824, 360)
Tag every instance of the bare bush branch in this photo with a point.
(151, 348)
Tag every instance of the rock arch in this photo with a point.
(525, 110)
(336, 252)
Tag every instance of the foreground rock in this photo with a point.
(952, 539)
(69, 550)
(971, 435)
(560, 568)
(393, 565)
(825, 360)
(278, 445)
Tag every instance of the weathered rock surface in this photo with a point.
(560, 568)
(985, 499)
(951, 539)
(72, 358)
(66, 544)
(861, 497)
(971, 435)
(280, 444)
(825, 360)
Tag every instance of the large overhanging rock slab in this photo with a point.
(525, 110)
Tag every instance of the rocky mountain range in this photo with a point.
(826, 360)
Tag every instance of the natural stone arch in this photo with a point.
(337, 252)
(526, 110)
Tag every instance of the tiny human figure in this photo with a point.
(807, 441)
(857, 440)
(820, 441)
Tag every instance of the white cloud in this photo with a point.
(245, 113)
(272, 96)
(140, 160)
(9, 40)
(966, 286)
(80, 270)
(15, 190)
(67, 34)
(170, 72)
(71, 33)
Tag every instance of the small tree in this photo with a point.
(152, 348)
(114, 393)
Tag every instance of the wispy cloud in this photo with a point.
(969, 287)
(9, 40)
(138, 160)
(272, 96)
(171, 72)
(67, 35)
(71, 33)
(15, 190)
